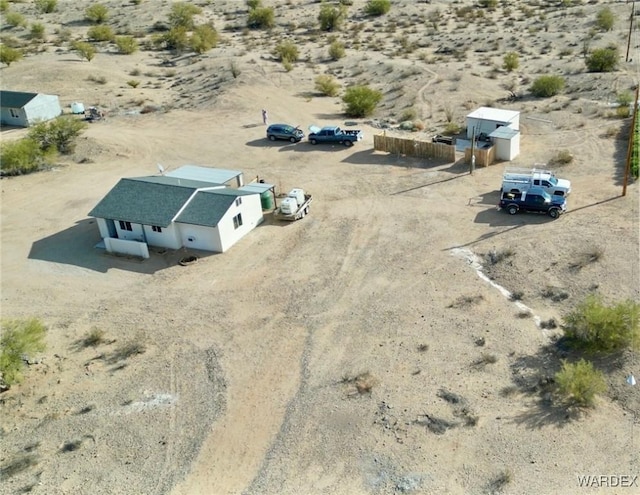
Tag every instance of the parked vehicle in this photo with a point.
(439, 138)
(294, 207)
(534, 199)
(333, 134)
(518, 180)
(284, 131)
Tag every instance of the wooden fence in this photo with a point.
(484, 156)
(412, 147)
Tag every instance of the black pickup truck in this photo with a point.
(536, 200)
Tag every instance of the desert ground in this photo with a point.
(370, 348)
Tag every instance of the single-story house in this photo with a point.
(25, 109)
(500, 127)
(172, 212)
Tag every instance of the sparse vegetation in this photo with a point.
(126, 44)
(127, 350)
(15, 19)
(336, 50)
(596, 327)
(361, 101)
(4, 5)
(261, 18)
(96, 13)
(18, 464)
(584, 258)
(510, 61)
(545, 86)
(495, 256)
(605, 19)
(46, 6)
(287, 51)
(562, 157)
(377, 7)
(37, 31)
(23, 156)
(603, 59)
(327, 85)
(59, 134)
(100, 33)
(85, 50)
(134, 83)
(579, 383)
(9, 55)
(235, 70)
(500, 481)
(204, 38)
(19, 338)
(93, 338)
(182, 14)
(331, 17)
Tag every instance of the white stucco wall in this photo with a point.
(507, 149)
(169, 237)
(130, 248)
(136, 234)
(199, 237)
(251, 209)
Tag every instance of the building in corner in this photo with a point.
(192, 208)
(25, 109)
(500, 127)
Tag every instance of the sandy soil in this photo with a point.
(347, 353)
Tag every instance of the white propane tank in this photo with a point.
(288, 206)
(77, 108)
(298, 194)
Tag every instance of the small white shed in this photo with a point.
(485, 120)
(24, 109)
(507, 142)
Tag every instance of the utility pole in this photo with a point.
(632, 136)
(472, 163)
(633, 8)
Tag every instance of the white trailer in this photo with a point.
(294, 207)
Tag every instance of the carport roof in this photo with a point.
(493, 114)
(207, 174)
(504, 132)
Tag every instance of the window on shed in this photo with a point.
(125, 225)
(14, 113)
(238, 201)
(237, 221)
(155, 228)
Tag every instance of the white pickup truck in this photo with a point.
(517, 180)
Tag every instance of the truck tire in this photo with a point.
(272, 137)
(348, 143)
(292, 139)
(313, 141)
(512, 209)
(306, 210)
(554, 212)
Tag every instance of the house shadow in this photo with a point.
(76, 246)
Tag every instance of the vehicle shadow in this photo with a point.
(500, 218)
(266, 143)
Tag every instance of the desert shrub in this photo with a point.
(182, 14)
(37, 31)
(545, 86)
(596, 327)
(361, 101)
(22, 157)
(287, 51)
(452, 128)
(562, 157)
(93, 338)
(488, 4)
(19, 338)
(134, 83)
(15, 19)
(46, 6)
(331, 17)
(261, 18)
(175, 39)
(408, 114)
(511, 61)
(603, 59)
(204, 38)
(624, 98)
(377, 7)
(4, 5)
(100, 33)
(500, 481)
(327, 85)
(9, 55)
(97, 79)
(605, 19)
(126, 44)
(336, 50)
(235, 69)
(254, 4)
(85, 50)
(59, 133)
(96, 13)
(579, 383)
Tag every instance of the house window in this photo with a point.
(14, 113)
(237, 220)
(156, 228)
(125, 226)
(238, 202)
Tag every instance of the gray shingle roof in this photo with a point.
(156, 200)
(15, 99)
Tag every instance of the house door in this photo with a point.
(111, 227)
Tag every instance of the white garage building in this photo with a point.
(501, 127)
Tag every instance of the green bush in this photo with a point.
(37, 31)
(100, 33)
(336, 50)
(361, 101)
(19, 338)
(605, 19)
(4, 5)
(182, 14)
(331, 17)
(377, 7)
(261, 18)
(603, 59)
(23, 157)
(327, 85)
(59, 133)
(287, 51)
(596, 327)
(97, 13)
(488, 4)
(204, 38)
(84, 49)
(134, 83)
(9, 55)
(545, 86)
(511, 61)
(46, 6)
(579, 383)
(176, 39)
(15, 19)
(126, 44)
(254, 4)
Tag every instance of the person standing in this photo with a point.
(264, 116)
